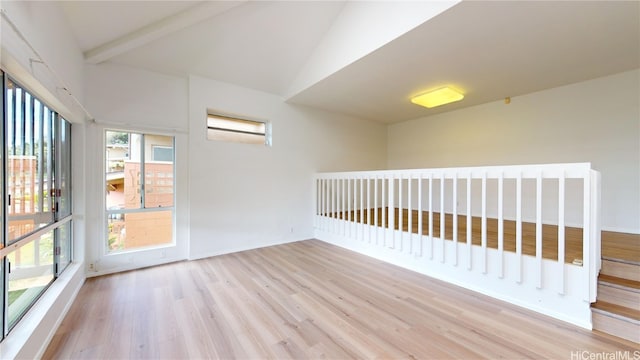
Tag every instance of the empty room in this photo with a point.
(320, 179)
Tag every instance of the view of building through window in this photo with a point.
(139, 207)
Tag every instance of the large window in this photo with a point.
(139, 190)
(36, 193)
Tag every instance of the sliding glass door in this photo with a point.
(36, 205)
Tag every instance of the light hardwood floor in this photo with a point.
(304, 300)
(614, 245)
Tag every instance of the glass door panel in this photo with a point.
(30, 272)
(34, 139)
(28, 176)
(63, 247)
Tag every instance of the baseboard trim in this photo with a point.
(620, 230)
(238, 249)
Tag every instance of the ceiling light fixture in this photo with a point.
(437, 97)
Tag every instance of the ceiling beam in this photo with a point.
(158, 29)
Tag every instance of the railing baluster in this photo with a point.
(329, 197)
(469, 224)
(410, 216)
(343, 215)
(392, 211)
(321, 201)
(375, 205)
(327, 204)
(519, 226)
(355, 207)
(500, 226)
(337, 212)
(420, 212)
(385, 212)
(369, 209)
(454, 226)
(431, 216)
(349, 216)
(361, 208)
(561, 224)
(345, 205)
(334, 205)
(539, 229)
(400, 213)
(442, 219)
(484, 222)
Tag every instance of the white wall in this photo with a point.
(245, 196)
(596, 121)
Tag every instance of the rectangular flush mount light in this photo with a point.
(437, 97)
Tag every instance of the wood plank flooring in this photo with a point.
(304, 300)
(615, 245)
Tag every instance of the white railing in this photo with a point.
(533, 238)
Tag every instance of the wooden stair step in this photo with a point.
(619, 291)
(623, 312)
(619, 282)
(616, 320)
(621, 269)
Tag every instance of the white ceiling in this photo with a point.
(489, 50)
(93, 22)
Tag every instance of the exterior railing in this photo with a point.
(529, 235)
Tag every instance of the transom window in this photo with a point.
(232, 129)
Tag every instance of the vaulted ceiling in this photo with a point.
(366, 58)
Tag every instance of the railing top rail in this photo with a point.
(568, 170)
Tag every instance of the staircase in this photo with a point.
(617, 309)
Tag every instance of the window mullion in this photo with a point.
(41, 187)
(49, 159)
(55, 132)
(32, 120)
(3, 212)
(142, 172)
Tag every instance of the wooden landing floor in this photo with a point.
(304, 300)
(614, 245)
